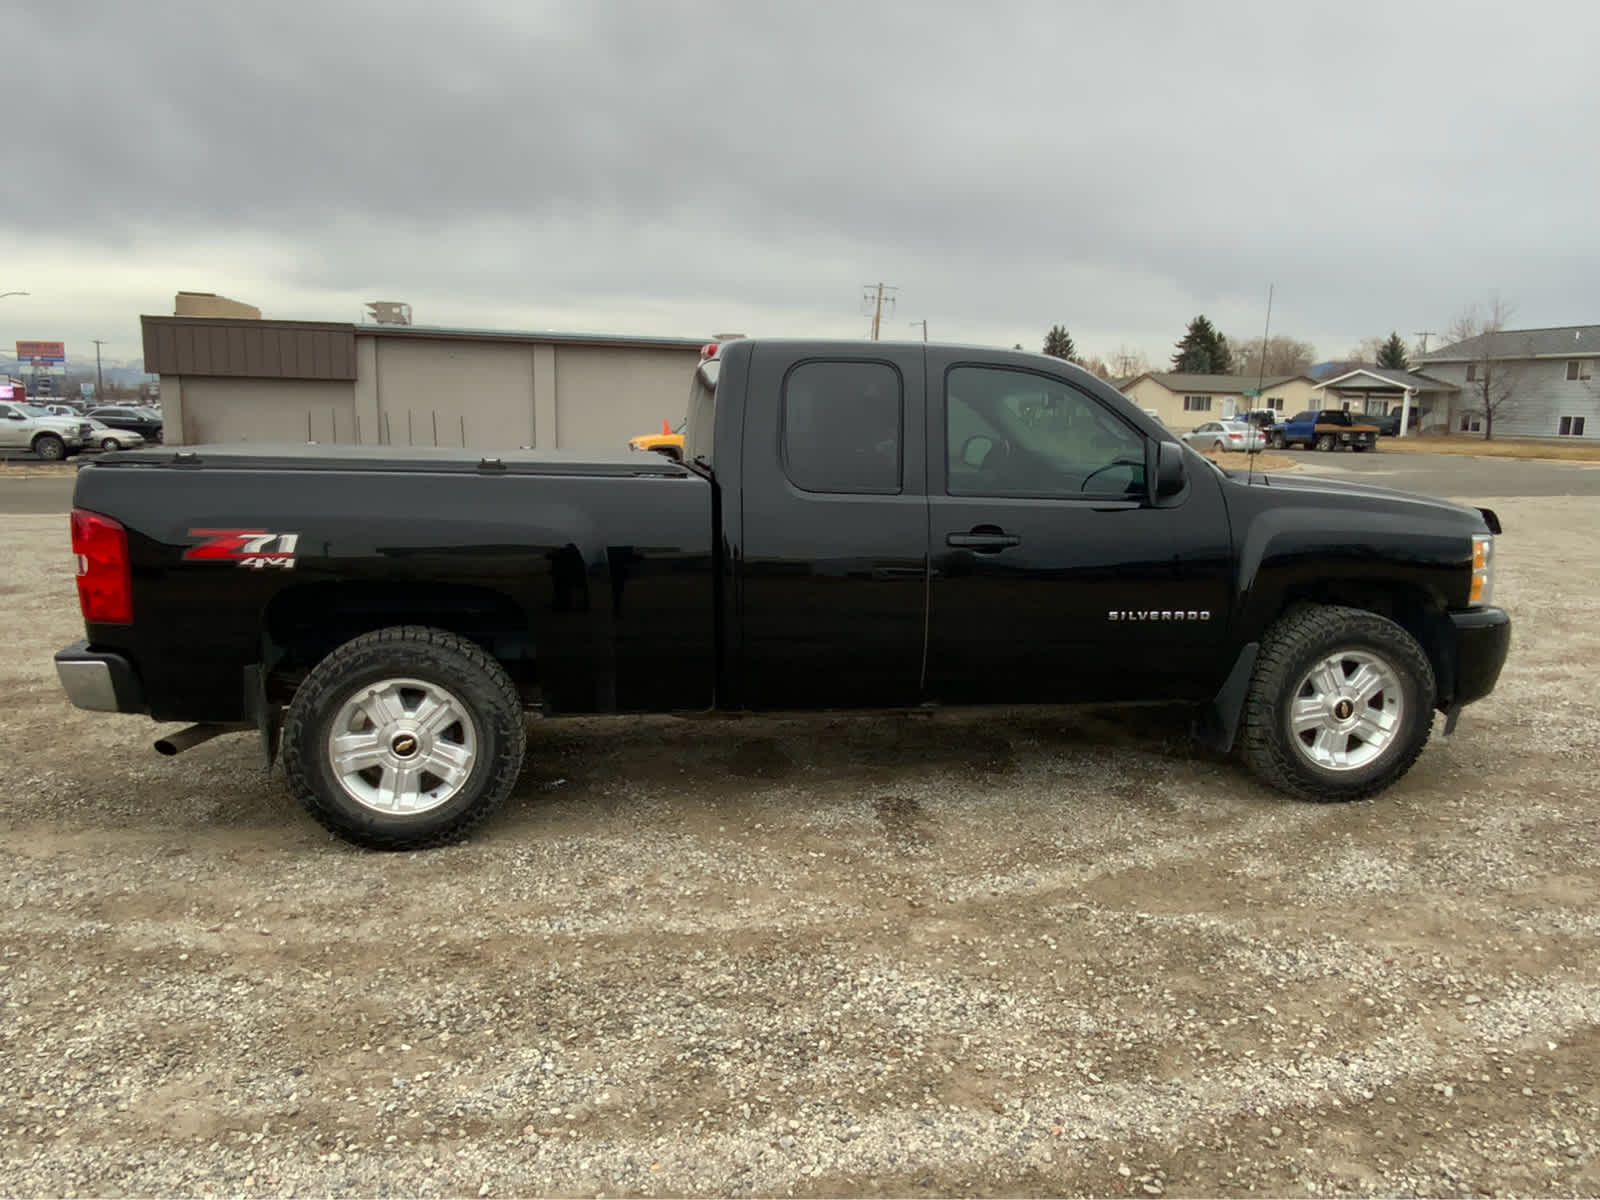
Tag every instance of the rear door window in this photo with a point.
(842, 427)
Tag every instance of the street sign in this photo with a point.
(1252, 392)
(42, 353)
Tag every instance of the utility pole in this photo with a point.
(875, 295)
(1424, 334)
(924, 325)
(99, 376)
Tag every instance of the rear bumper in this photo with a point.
(99, 680)
(1483, 638)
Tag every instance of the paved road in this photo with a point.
(1450, 475)
(39, 495)
(1457, 475)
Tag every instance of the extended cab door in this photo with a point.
(832, 558)
(1056, 577)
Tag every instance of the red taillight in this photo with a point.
(1238, 437)
(105, 584)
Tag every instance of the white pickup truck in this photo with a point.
(31, 427)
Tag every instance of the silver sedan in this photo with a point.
(1226, 435)
(105, 437)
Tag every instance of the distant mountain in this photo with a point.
(122, 373)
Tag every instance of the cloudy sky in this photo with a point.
(687, 168)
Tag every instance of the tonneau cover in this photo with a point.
(431, 460)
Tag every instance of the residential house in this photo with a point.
(1183, 401)
(1378, 389)
(1550, 376)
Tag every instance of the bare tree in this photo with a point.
(1493, 380)
(1367, 352)
(1095, 365)
(1284, 356)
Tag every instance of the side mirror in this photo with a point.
(1171, 474)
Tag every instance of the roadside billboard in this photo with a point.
(42, 353)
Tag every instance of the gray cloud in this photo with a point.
(1117, 167)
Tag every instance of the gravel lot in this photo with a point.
(1016, 952)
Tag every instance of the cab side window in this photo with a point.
(842, 426)
(1012, 433)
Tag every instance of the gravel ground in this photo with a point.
(1017, 952)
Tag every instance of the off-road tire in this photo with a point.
(1295, 643)
(416, 652)
(1325, 442)
(50, 448)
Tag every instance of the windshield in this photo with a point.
(36, 410)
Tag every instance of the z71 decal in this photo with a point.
(256, 548)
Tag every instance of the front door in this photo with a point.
(1055, 579)
(833, 561)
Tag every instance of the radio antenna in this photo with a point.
(1261, 376)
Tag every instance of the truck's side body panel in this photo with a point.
(605, 579)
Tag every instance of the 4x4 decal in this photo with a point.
(248, 547)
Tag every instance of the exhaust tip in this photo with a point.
(165, 747)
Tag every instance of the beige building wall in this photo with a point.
(422, 391)
(1149, 393)
(1297, 394)
(261, 410)
(605, 396)
(447, 392)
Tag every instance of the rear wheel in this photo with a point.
(1277, 441)
(404, 738)
(109, 443)
(49, 447)
(1340, 704)
(1325, 442)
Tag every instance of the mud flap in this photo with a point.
(1218, 722)
(264, 715)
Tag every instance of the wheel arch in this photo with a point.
(304, 623)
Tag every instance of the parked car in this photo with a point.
(1226, 435)
(33, 427)
(1262, 418)
(127, 416)
(855, 525)
(109, 437)
(1327, 429)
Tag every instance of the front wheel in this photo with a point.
(109, 444)
(49, 447)
(1325, 442)
(404, 738)
(1340, 704)
(1277, 441)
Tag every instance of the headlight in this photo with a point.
(1482, 569)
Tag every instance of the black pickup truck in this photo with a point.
(854, 525)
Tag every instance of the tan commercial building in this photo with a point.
(232, 378)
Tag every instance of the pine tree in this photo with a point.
(1058, 343)
(1392, 354)
(1203, 351)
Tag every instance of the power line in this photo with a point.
(924, 325)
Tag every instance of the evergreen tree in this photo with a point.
(1203, 351)
(1058, 343)
(1392, 354)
